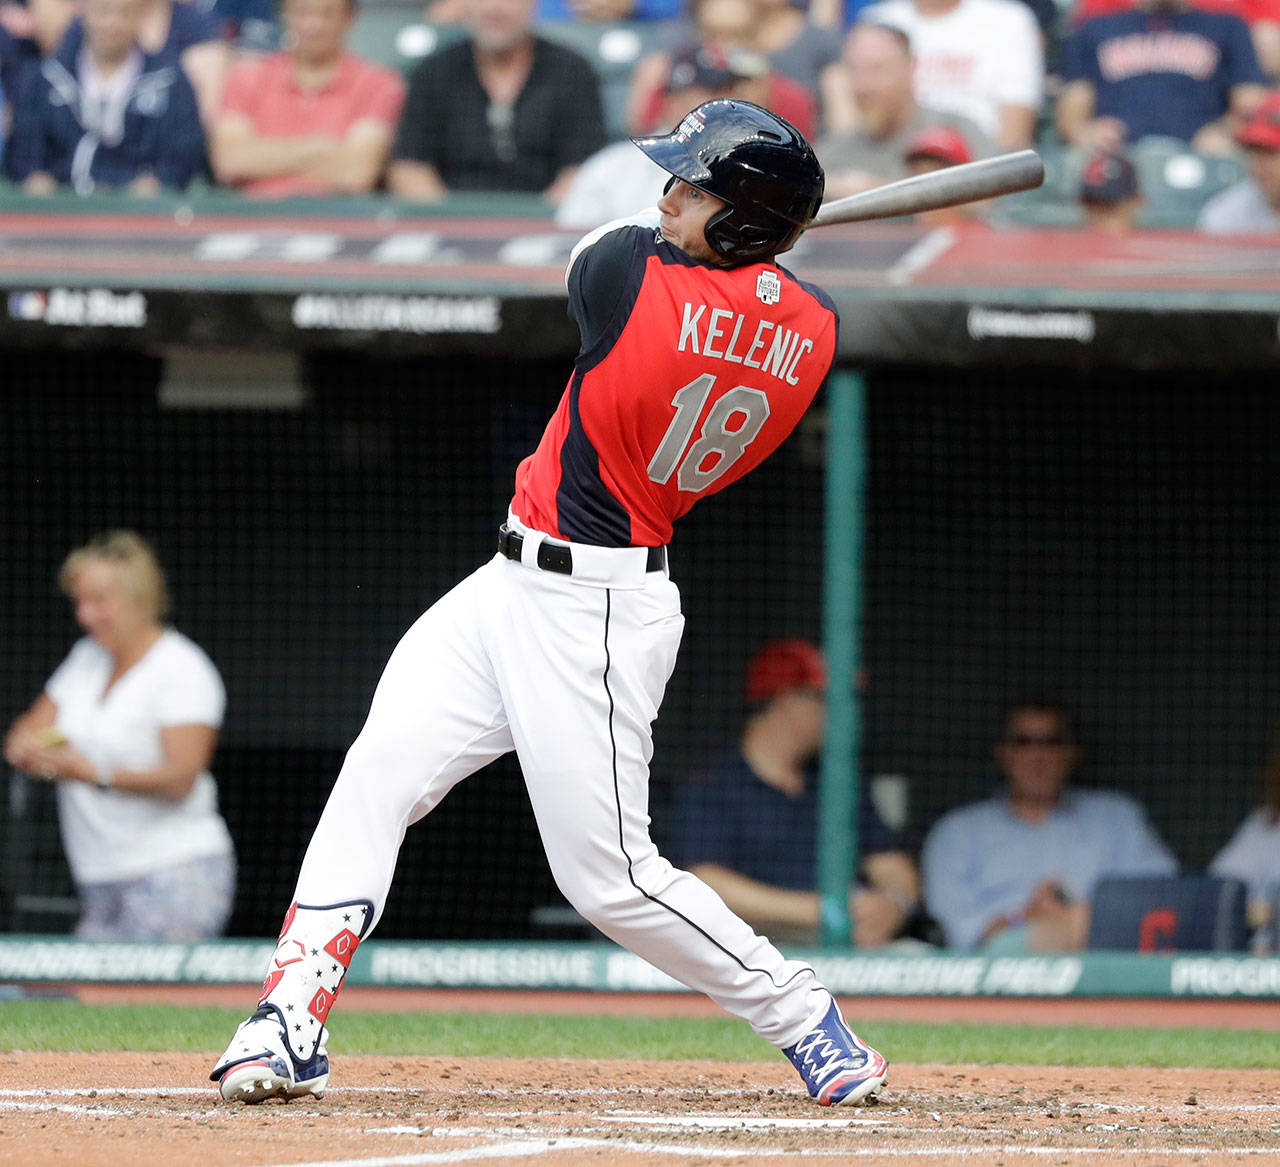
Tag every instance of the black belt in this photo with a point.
(559, 558)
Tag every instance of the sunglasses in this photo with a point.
(1025, 739)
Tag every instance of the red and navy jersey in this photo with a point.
(689, 376)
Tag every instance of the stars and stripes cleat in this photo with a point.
(258, 1065)
(837, 1067)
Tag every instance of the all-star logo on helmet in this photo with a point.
(757, 163)
(693, 123)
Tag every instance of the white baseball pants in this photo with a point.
(569, 674)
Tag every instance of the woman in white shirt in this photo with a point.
(126, 726)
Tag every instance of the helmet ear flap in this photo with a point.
(720, 233)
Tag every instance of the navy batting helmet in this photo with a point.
(758, 163)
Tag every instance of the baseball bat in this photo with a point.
(966, 183)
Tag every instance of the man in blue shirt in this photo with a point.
(106, 114)
(1166, 69)
(1015, 873)
(749, 828)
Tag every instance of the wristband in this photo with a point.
(104, 779)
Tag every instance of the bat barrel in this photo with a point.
(969, 182)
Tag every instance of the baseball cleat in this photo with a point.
(258, 1065)
(837, 1067)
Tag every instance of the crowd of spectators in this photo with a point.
(145, 95)
(1012, 873)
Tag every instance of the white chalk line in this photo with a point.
(524, 1148)
(737, 1122)
(339, 1091)
(459, 1092)
(527, 1148)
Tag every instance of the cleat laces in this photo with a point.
(823, 1058)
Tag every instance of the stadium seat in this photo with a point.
(613, 50)
(1176, 182)
(399, 37)
(1180, 913)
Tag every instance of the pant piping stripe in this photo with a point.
(622, 846)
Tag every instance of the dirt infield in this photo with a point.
(134, 1109)
(141, 1109)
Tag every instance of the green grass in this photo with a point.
(68, 1025)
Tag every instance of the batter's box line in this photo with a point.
(533, 1147)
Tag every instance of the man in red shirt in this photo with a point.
(313, 120)
(699, 355)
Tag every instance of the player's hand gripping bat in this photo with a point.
(969, 182)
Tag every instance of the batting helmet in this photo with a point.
(758, 163)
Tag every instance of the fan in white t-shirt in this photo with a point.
(126, 726)
(981, 59)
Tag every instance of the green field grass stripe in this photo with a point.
(71, 1026)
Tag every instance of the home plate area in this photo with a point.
(130, 1109)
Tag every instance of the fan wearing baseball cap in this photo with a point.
(1109, 193)
(748, 828)
(1251, 206)
(619, 179)
(935, 149)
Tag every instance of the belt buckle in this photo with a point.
(508, 542)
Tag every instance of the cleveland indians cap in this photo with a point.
(1261, 129)
(1109, 177)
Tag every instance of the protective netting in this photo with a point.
(300, 543)
(1109, 540)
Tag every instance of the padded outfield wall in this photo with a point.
(1072, 489)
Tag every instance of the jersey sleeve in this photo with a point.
(241, 93)
(58, 685)
(1080, 56)
(1021, 81)
(601, 269)
(420, 134)
(384, 97)
(1240, 60)
(702, 824)
(579, 121)
(193, 693)
(875, 836)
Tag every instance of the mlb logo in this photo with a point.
(26, 305)
(769, 287)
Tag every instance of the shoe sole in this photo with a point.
(862, 1094)
(257, 1081)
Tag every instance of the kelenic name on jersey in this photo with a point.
(723, 335)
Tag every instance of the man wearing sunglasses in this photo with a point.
(1014, 873)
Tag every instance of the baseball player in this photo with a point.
(699, 355)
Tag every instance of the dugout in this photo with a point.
(1072, 487)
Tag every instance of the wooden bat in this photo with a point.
(984, 179)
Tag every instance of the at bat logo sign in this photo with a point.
(768, 287)
(79, 308)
